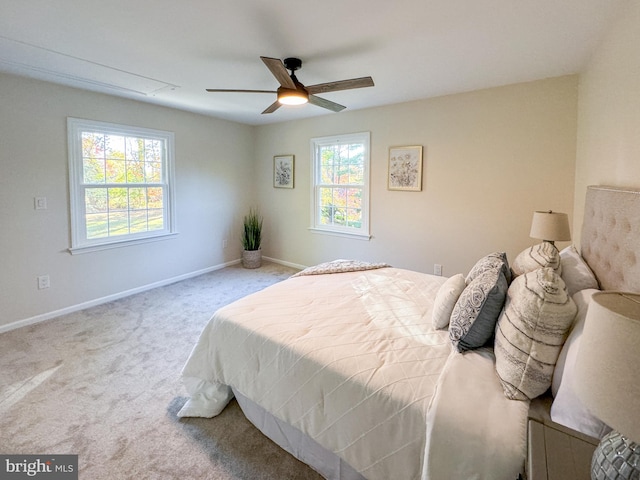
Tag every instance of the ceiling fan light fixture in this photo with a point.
(292, 92)
(289, 96)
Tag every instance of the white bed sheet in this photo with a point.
(349, 359)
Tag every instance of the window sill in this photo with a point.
(118, 244)
(355, 235)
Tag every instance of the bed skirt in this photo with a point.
(301, 446)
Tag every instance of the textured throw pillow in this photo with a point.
(575, 272)
(496, 260)
(446, 299)
(567, 408)
(531, 331)
(476, 312)
(544, 254)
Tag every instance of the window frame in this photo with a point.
(363, 232)
(80, 243)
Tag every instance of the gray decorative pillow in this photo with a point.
(531, 331)
(542, 255)
(496, 260)
(474, 317)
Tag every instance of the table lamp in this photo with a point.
(607, 379)
(550, 226)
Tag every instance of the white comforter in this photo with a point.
(351, 360)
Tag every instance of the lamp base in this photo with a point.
(616, 458)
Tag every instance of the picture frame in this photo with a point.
(283, 171)
(405, 168)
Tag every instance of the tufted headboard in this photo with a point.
(610, 241)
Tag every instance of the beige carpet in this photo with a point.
(105, 384)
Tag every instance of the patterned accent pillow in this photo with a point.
(544, 254)
(476, 312)
(490, 262)
(531, 331)
(340, 266)
(446, 299)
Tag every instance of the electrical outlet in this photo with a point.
(437, 269)
(224, 243)
(43, 282)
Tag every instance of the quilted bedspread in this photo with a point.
(350, 359)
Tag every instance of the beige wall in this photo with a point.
(492, 157)
(213, 163)
(608, 151)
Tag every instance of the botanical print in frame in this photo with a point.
(405, 168)
(283, 171)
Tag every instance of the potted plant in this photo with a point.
(251, 239)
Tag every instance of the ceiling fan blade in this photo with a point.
(340, 85)
(276, 67)
(272, 108)
(225, 90)
(324, 103)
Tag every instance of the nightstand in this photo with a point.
(556, 452)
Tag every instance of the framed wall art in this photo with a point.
(283, 169)
(405, 168)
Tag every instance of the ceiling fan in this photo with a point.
(292, 92)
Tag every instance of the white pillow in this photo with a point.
(446, 299)
(567, 408)
(575, 272)
(581, 299)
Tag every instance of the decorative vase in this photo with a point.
(251, 258)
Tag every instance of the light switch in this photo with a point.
(40, 203)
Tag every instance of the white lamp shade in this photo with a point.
(607, 376)
(550, 226)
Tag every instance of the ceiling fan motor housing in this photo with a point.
(292, 63)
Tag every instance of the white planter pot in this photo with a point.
(251, 258)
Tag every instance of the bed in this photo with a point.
(350, 367)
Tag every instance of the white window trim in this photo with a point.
(79, 242)
(362, 233)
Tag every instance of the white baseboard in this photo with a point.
(116, 296)
(109, 298)
(286, 264)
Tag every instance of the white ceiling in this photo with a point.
(168, 51)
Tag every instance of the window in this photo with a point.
(120, 181)
(341, 184)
